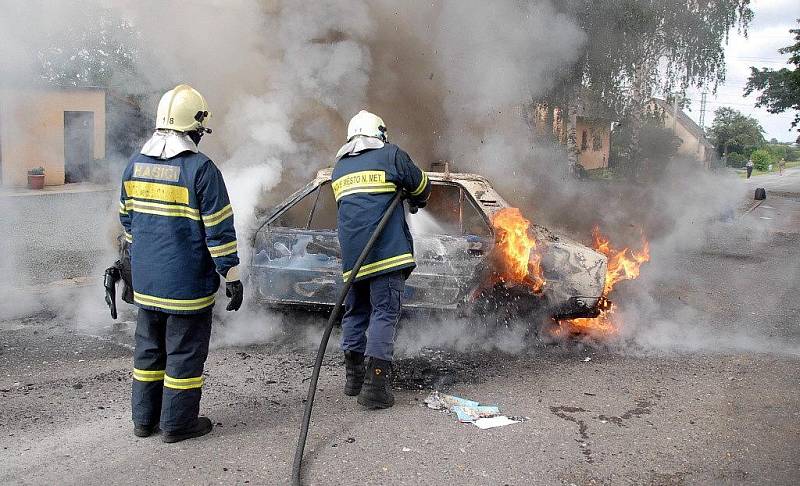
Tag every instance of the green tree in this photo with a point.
(101, 50)
(637, 48)
(777, 151)
(732, 131)
(780, 89)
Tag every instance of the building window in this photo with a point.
(584, 141)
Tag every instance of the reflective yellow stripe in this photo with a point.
(183, 383)
(368, 188)
(173, 304)
(218, 217)
(122, 208)
(162, 209)
(422, 184)
(156, 191)
(362, 181)
(148, 375)
(128, 237)
(382, 265)
(222, 250)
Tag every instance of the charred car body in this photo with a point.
(296, 260)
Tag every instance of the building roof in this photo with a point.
(685, 121)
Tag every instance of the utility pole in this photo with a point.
(703, 100)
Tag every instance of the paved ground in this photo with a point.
(707, 393)
(52, 234)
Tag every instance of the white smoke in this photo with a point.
(453, 79)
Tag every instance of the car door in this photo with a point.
(451, 241)
(297, 257)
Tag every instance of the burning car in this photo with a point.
(468, 261)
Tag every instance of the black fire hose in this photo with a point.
(312, 387)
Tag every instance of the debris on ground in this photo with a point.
(470, 411)
(492, 422)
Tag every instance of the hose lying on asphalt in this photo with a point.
(312, 387)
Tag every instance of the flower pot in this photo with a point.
(36, 181)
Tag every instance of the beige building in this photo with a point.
(694, 144)
(60, 129)
(592, 134)
(594, 142)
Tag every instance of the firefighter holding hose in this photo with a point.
(178, 221)
(368, 172)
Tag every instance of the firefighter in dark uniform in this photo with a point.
(178, 220)
(368, 172)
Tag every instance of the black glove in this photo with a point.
(414, 206)
(234, 290)
(110, 279)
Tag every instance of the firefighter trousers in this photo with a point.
(371, 313)
(168, 360)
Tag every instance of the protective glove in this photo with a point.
(234, 290)
(110, 279)
(414, 206)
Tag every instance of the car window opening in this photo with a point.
(449, 211)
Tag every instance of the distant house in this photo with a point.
(60, 129)
(592, 133)
(594, 142)
(694, 144)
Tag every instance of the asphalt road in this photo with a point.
(707, 394)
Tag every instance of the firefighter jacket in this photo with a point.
(363, 185)
(179, 222)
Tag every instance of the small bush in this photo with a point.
(36, 171)
(761, 159)
(793, 154)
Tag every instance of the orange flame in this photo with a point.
(518, 260)
(623, 264)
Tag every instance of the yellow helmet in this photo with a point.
(368, 124)
(182, 109)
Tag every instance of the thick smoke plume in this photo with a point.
(454, 80)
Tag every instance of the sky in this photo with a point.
(768, 32)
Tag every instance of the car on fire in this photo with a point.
(296, 259)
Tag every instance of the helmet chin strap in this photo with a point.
(196, 135)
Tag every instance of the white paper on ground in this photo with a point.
(491, 422)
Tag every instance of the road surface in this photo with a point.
(707, 394)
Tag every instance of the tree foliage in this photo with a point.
(732, 131)
(637, 48)
(658, 143)
(102, 52)
(780, 89)
(761, 159)
(640, 47)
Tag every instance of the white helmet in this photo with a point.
(182, 109)
(367, 124)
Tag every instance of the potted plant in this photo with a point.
(36, 178)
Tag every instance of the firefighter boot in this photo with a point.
(354, 372)
(144, 430)
(377, 391)
(199, 428)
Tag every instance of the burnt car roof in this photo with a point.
(478, 186)
(325, 175)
